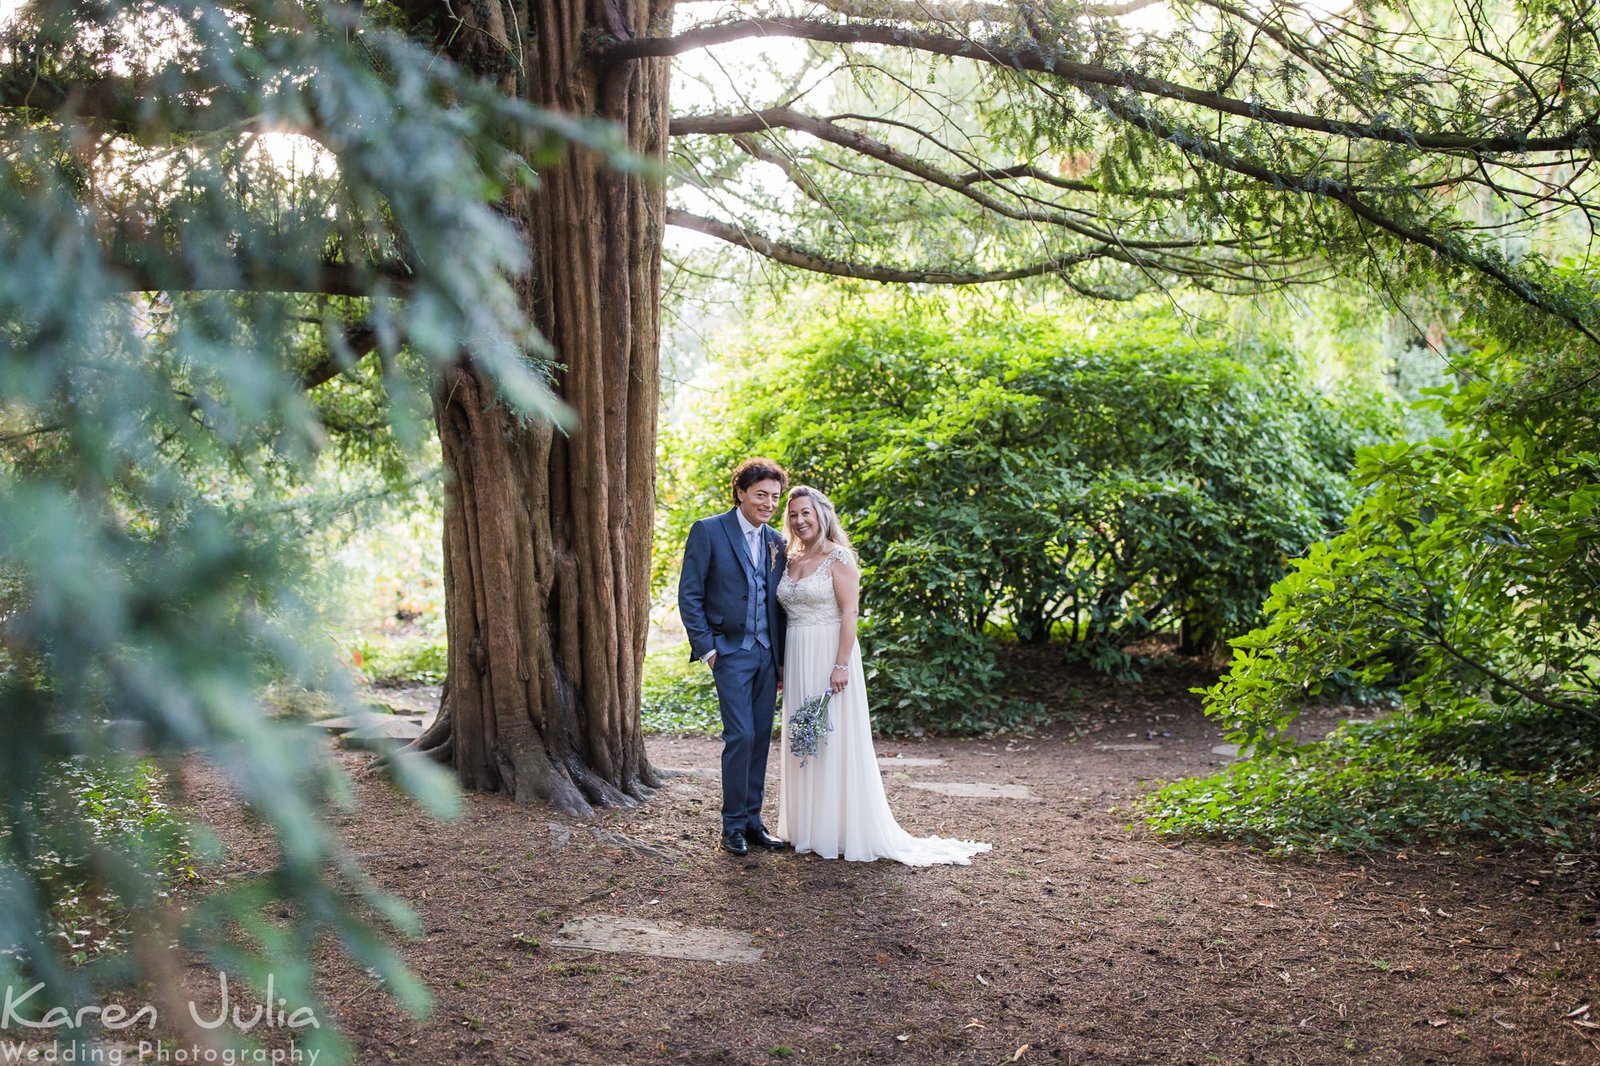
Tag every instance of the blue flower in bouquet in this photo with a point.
(809, 727)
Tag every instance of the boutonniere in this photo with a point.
(772, 553)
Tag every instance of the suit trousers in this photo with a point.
(747, 689)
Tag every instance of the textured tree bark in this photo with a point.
(548, 533)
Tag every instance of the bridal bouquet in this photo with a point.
(809, 726)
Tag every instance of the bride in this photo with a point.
(834, 805)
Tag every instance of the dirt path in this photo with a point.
(1077, 938)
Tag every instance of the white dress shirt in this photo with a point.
(752, 538)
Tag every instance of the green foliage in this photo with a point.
(1469, 575)
(399, 660)
(95, 813)
(929, 673)
(1093, 487)
(155, 319)
(379, 572)
(1467, 580)
(679, 695)
(1390, 784)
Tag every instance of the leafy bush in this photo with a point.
(1467, 580)
(1522, 739)
(1387, 784)
(1469, 576)
(1091, 489)
(395, 660)
(384, 569)
(935, 673)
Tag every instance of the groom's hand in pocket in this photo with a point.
(711, 659)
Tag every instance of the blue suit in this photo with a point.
(729, 603)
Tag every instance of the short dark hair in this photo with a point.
(756, 469)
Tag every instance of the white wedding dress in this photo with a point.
(834, 805)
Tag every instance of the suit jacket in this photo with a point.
(714, 586)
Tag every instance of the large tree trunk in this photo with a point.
(548, 534)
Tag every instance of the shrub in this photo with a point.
(1093, 489)
(1388, 784)
(383, 659)
(1468, 581)
(1468, 578)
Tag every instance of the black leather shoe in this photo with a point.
(763, 839)
(733, 841)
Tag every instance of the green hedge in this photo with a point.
(1468, 575)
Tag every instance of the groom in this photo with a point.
(727, 598)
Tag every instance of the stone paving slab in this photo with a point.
(976, 790)
(382, 731)
(691, 771)
(344, 723)
(668, 940)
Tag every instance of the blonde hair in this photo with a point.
(830, 534)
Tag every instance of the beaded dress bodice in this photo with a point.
(810, 601)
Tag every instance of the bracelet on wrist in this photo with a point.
(841, 666)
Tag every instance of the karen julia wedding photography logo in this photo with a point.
(104, 1033)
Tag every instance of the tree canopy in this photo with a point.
(1127, 147)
